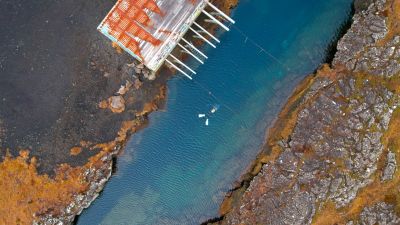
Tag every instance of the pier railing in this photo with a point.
(150, 30)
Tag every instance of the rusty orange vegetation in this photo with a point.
(393, 13)
(375, 192)
(24, 193)
(75, 151)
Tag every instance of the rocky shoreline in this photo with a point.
(60, 140)
(331, 157)
(98, 177)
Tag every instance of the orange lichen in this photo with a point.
(375, 192)
(103, 104)
(372, 194)
(283, 127)
(287, 118)
(328, 72)
(75, 151)
(153, 106)
(115, 103)
(24, 154)
(226, 205)
(24, 194)
(85, 144)
(393, 13)
(148, 107)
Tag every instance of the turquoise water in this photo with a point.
(177, 170)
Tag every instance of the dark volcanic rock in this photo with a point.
(361, 5)
(51, 82)
(70, 99)
(55, 69)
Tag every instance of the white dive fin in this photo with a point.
(202, 115)
(207, 122)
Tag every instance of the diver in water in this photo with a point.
(213, 110)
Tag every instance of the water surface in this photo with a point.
(177, 170)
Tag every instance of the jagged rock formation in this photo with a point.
(380, 213)
(333, 151)
(360, 49)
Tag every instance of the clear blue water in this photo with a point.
(177, 170)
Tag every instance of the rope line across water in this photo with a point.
(263, 51)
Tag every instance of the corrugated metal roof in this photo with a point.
(150, 29)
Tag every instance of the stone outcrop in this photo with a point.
(390, 167)
(334, 163)
(360, 49)
(380, 213)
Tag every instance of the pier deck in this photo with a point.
(166, 28)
